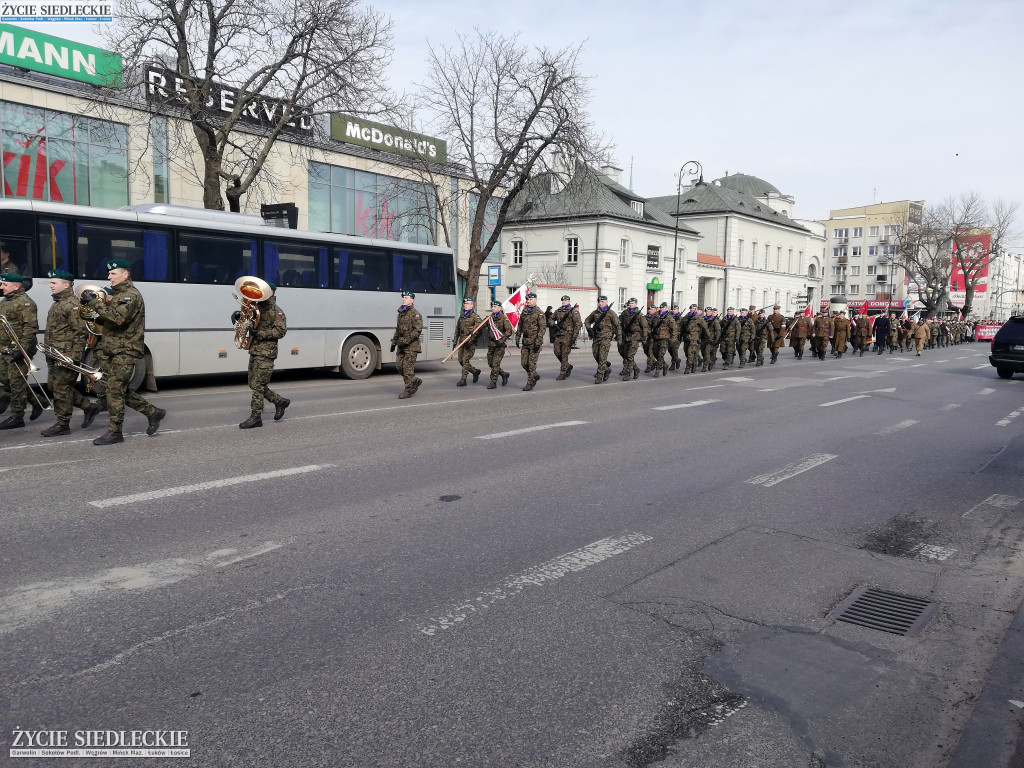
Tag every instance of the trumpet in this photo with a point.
(87, 313)
(253, 290)
(43, 402)
(91, 374)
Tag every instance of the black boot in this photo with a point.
(460, 383)
(109, 438)
(91, 411)
(416, 385)
(13, 422)
(406, 394)
(476, 376)
(37, 411)
(636, 372)
(280, 408)
(254, 420)
(607, 372)
(56, 429)
(504, 377)
(492, 385)
(154, 421)
(5, 401)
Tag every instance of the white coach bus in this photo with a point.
(340, 294)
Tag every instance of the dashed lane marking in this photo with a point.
(1005, 422)
(163, 493)
(979, 367)
(511, 432)
(538, 576)
(709, 386)
(1002, 501)
(736, 378)
(950, 407)
(791, 470)
(694, 404)
(896, 427)
(986, 391)
(844, 400)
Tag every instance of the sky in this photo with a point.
(837, 104)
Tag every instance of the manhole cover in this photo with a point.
(885, 611)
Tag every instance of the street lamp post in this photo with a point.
(699, 172)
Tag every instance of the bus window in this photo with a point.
(53, 246)
(145, 250)
(422, 272)
(216, 260)
(361, 269)
(15, 256)
(296, 265)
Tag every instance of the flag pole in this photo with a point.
(531, 280)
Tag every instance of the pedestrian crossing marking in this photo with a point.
(1000, 500)
(791, 470)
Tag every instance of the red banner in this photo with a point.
(986, 331)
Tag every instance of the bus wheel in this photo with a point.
(138, 375)
(358, 357)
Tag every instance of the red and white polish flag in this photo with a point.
(513, 305)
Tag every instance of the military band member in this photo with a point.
(498, 329)
(603, 328)
(565, 324)
(20, 311)
(635, 331)
(730, 337)
(745, 336)
(272, 327)
(406, 340)
(779, 331)
(530, 339)
(65, 332)
(695, 331)
(762, 335)
(124, 328)
(464, 328)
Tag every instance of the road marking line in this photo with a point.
(268, 547)
(683, 405)
(791, 470)
(896, 427)
(986, 391)
(228, 481)
(917, 365)
(709, 386)
(942, 361)
(510, 433)
(736, 378)
(995, 500)
(979, 367)
(537, 576)
(844, 400)
(961, 358)
(767, 390)
(950, 407)
(1010, 417)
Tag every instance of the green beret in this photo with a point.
(11, 277)
(469, 299)
(61, 274)
(602, 298)
(118, 264)
(531, 295)
(273, 287)
(632, 300)
(664, 305)
(495, 303)
(566, 298)
(410, 294)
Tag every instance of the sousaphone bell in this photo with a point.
(251, 291)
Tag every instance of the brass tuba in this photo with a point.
(87, 313)
(253, 291)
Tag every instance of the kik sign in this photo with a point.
(33, 171)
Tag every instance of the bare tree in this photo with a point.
(978, 234)
(243, 76)
(923, 250)
(508, 113)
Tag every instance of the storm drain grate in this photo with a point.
(885, 611)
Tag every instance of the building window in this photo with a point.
(638, 206)
(888, 250)
(812, 271)
(752, 293)
(778, 259)
(856, 250)
(789, 300)
(837, 289)
(872, 231)
(572, 250)
(517, 253)
(854, 290)
(872, 250)
(653, 257)
(739, 254)
(840, 233)
(753, 254)
(624, 252)
(681, 259)
(789, 267)
(855, 271)
(893, 230)
(776, 297)
(872, 269)
(767, 252)
(622, 298)
(858, 232)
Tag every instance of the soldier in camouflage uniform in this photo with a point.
(652, 311)
(635, 331)
(272, 327)
(745, 336)
(603, 328)
(662, 330)
(497, 329)
(695, 330)
(20, 311)
(762, 336)
(714, 326)
(677, 337)
(406, 340)
(730, 337)
(565, 324)
(530, 339)
(464, 328)
(65, 332)
(124, 328)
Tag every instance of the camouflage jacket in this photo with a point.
(664, 326)
(530, 328)
(20, 311)
(746, 334)
(694, 327)
(730, 328)
(603, 324)
(65, 327)
(634, 325)
(273, 326)
(464, 326)
(763, 330)
(408, 329)
(714, 326)
(124, 321)
(567, 322)
(503, 326)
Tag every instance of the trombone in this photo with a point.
(43, 402)
(92, 375)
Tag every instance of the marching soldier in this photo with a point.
(779, 327)
(467, 323)
(498, 328)
(841, 333)
(861, 332)
(752, 314)
(635, 331)
(603, 327)
(652, 311)
(124, 328)
(762, 334)
(65, 332)
(745, 336)
(822, 333)
(565, 326)
(530, 332)
(882, 326)
(20, 311)
(695, 330)
(662, 330)
(921, 334)
(800, 330)
(714, 326)
(272, 327)
(677, 336)
(406, 340)
(730, 337)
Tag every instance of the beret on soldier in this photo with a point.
(602, 298)
(760, 311)
(531, 295)
(776, 307)
(693, 306)
(664, 305)
(632, 300)
(495, 303)
(118, 264)
(731, 309)
(468, 299)
(11, 277)
(273, 287)
(565, 298)
(410, 294)
(60, 274)
(675, 306)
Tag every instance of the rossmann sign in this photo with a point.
(28, 49)
(386, 138)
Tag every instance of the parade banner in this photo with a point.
(513, 305)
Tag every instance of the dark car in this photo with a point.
(1008, 348)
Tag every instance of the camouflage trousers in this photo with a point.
(728, 350)
(118, 373)
(692, 353)
(405, 362)
(495, 354)
(260, 370)
(629, 351)
(659, 348)
(563, 345)
(13, 376)
(66, 397)
(601, 347)
(466, 360)
(673, 350)
(758, 347)
(743, 349)
(710, 353)
(528, 359)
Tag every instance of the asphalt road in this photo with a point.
(628, 574)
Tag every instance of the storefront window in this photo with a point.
(63, 158)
